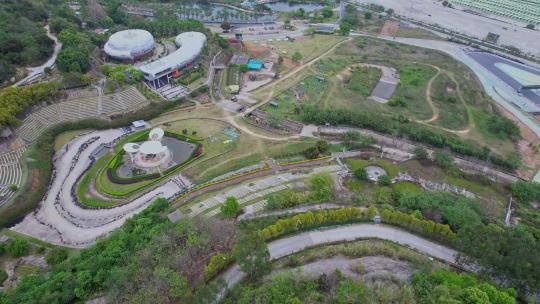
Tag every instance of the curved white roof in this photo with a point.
(152, 147)
(190, 45)
(131, 148)
(156, 134)
(129, 44)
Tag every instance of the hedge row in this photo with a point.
(32, 192)
(311, 220)
(217, 264)
(431, 229)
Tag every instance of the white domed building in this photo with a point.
(130, 45)
(150, 155)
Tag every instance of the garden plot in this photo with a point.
(310, 90)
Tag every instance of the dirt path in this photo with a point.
(434, 109)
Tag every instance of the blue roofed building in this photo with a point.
(255, 64)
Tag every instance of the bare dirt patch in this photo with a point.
(389, 28)
(528, 147)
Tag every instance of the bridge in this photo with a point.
(529, 87)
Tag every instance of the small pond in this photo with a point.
(284, 6)
(181, 150)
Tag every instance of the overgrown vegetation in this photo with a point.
(149, 259)
(407, 129)
(24, 40)
(15, 100)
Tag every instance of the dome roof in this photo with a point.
(129, 44)
(156, 134)
(131, 148)
(152, 147)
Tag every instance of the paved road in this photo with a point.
(32, 72)
(299, 242)
(433, 12)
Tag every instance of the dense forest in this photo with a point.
(24, 40)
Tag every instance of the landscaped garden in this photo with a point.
(104, 173)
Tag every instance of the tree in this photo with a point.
(297, 56)
(420, 153)
(361, 174)
(327, 12)
(225, 26)
(368, 15)
(253, 256)
(345, 28)
(17, 248)
(73, 60)
(231, 207)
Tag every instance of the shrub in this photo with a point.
(3, 276)
(384, 180)
(444, 160)
(231, 207)
(56, 256)
(420, 153)
(217, 264)
(431, 229)
(17, 248)
(361, 174)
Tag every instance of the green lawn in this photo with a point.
(414, 79)
(452, 112)
(331, 66)
(363, 80)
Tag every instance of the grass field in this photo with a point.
(416, 32)
(331, 66)
(65, 137)
(309, 47)
(452, 111)
(363, 80)
(412, 89)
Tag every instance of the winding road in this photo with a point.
(302, 241)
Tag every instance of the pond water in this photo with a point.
(284, 6)
(220, 13)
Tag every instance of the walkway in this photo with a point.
(302, 241)
(35, 71)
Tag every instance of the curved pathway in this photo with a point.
(302, 241)
(34, 71)
(434, 109)
(60, 220)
